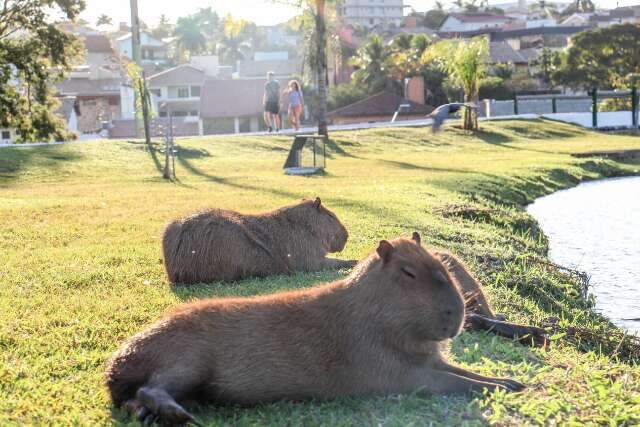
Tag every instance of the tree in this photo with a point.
(103, 20)
(546, 63)
(190, 38)
(465, 61)
(603, 58)
(31, 64)
(233, 44)
(369, 63)
(164, 28)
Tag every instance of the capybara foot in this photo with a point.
(156, 405)
(511, 385)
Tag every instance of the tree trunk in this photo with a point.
(321, 67)
(470, 115)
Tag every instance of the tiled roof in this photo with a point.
(381, 104)
(502, 52)
(86, 87)
(97, 44)
(479, 17)
(184, 74)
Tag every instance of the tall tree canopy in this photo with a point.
(234, 41)
(34, 54)
(603, 58)
(465, 61)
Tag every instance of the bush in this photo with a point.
(345, 94)
(494, 88)
(615, 104)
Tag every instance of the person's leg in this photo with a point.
(267, 120)
(277, 120)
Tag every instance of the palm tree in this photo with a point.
(189, 36)
(465, 61)
(233, 44)
(370, 64)
(584, 6)
(103, 20)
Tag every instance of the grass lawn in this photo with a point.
(81, 268)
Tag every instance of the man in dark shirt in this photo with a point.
(271, 102)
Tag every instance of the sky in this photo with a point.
(262, 12)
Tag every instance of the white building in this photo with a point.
(8, 135)
(371, 13)
(464, 22)
(152, 50)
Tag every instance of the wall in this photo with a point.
(505, 108)
(12, 135)
(93, 111)
(372, 119)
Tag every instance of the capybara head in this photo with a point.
(421, 298)
(325, 225)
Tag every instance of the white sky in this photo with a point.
(262, 12)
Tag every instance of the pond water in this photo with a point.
(595, 228)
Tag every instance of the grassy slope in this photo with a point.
(81, 264)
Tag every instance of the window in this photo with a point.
(195, 91)
(193, 113)
(156, 92)
(6, 134)
(162, 114)
(180, 114)
(183, 92)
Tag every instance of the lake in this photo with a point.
(595, 228)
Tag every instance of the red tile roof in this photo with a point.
(381, 104)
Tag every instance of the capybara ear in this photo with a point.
(385, 249)
(317, 202)
(416, 237)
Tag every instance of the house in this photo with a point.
(277, 61)
(555, 37)
(620, 15)
(379, 108)
(152, 50)
(231, 106)
(98, 50)
(97, 100)
(178, 89)
(372, 13)
(279, 35)
(8, 135)
(577, 20)
(469, 22)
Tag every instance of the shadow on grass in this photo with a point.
(50, 158)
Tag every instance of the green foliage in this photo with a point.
(234, 41)
(104, 20)
(604, 58)
(465, 62)
(370, 64)
(547, 63)
(434, 18)
(615, 104)
(32, 63)
(74, 286)
(492, 87)
(345, 94)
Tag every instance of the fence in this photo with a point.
(556, 103)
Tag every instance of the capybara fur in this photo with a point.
(225, 245)
(376, 332)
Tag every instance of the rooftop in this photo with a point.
(384, 103)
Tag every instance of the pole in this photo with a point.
(515, 103)
(634, 106)
(135, 53)
(554, 106)
(167, 148)
(594, 108)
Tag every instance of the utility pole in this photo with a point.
(135, 54)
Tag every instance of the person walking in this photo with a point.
(296, 103)
(271, 102)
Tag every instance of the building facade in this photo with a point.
(372, 13)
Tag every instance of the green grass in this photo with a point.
(81, 270)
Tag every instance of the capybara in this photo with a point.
(225, 245)
(480, 316)
(376, 332)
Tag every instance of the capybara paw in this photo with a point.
(512, 385)
(168, 414)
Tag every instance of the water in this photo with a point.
(595, 228)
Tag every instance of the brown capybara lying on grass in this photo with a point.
(377, 332)
(225, 245)
(480, 316)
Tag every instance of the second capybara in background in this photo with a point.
(225, 245)
(376, 332)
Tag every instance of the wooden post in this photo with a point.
(594, 108)
(634, 106)
(515, 103)
(554, 106)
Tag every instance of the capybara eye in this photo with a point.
(408, 273)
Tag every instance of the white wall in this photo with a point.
(12, 135)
